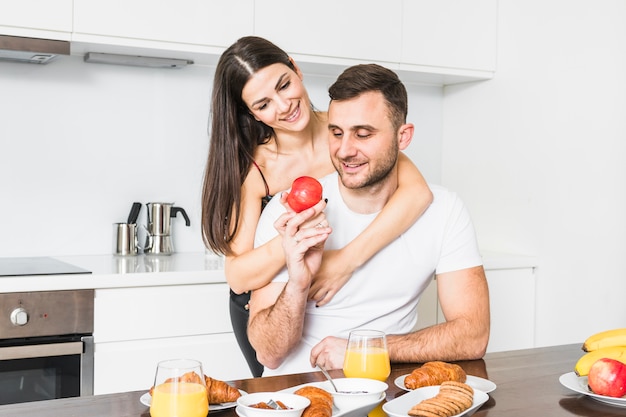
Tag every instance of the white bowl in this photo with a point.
(373, 392)
(296, 404)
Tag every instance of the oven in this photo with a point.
(46, 345)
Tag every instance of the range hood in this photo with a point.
(31, 50)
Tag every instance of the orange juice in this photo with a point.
(378, 411)
(373, 363)
(184, 399)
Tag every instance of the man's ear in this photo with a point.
(405, 135)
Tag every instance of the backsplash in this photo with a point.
(81, 142)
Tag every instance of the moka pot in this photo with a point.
(159, 237)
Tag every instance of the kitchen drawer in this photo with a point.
(130, 366)
(123, 314)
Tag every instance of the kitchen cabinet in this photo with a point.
(427, 41)
(49, 19)
(135, 328)
(181, 25)
(511, 281)
(457, 34)
(147, 309)
(427, 308)
(512, 303)
(364, 30)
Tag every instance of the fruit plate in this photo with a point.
(146, 399)
(353, 412)
(475, 382)
(400, 406)
(579, 384)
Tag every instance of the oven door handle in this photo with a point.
(41, 351)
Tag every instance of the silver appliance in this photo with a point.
(46, 345)
(159, 239)
(37, 265)
(31, 50)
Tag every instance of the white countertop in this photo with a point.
(111, 271)
(497, 260)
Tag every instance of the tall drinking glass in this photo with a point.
(367, 355)
(179, 390)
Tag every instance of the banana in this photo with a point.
(584, 363)
(614, 337)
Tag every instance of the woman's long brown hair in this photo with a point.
(234, 135)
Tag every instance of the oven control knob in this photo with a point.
(19, 316)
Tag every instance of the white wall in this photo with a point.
(80, 142)
(539, 155)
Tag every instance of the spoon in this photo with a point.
(327, 375)
(274, 405)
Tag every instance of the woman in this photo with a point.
(264, 134)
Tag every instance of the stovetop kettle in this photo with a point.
(159, 237)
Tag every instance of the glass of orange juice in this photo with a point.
(367, 355)
(179, 390)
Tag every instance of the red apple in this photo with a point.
(305, 192)
(607, 377)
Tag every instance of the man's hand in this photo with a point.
(303, 244)
(329, 353)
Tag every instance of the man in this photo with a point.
(367, 128)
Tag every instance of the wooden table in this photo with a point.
(527, 385)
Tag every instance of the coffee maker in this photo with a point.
(159, 238)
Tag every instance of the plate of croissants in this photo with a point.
(436, 372)
(221, 395)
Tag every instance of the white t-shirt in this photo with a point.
(384, 292)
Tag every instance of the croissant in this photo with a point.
(321, 401)
(220, 392)
(217, 391)
(434, 373)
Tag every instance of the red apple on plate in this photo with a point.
(607, 377)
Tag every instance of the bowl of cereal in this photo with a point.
(271, 404)
(356, 392)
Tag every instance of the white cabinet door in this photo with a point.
(154, 312)
(355, 29)
(19, 17)
(427, 307)
(130, 366)
(457, 34)
(512, 302)
(196, 22)
(134, 328)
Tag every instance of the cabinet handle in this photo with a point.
(41, 351)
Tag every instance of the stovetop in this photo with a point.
(11, 267)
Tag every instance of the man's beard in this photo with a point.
(384, 166)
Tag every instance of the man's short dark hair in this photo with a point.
(364, 78)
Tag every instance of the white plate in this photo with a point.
(146, 399)
(579, 384)
(354, 412)
(400, 406)
(475, 382)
